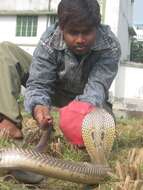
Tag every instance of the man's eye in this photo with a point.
(86, 32)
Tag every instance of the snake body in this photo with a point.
(46, 165)
(98, 132)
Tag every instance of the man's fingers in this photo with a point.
(42, 116)
(46, 122)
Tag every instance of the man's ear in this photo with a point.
(61, 27)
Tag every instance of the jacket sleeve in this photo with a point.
(101, 76)
(40, 85)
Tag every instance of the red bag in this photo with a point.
(71, 117)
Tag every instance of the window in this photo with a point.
(26, 25)
(51, 19)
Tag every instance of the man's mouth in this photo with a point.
(80, 48)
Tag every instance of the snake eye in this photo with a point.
(0, 155)
(102, 136)
(92, 135)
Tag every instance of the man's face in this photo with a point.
(79, 39)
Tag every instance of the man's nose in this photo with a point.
(80, 39)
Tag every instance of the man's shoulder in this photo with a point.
(105, 38)
(48, 32)
(53, 38)
(47, 35)
(105, 30)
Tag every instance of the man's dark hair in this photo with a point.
(75, 12)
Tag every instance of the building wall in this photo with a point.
(22, 5)
(112, 15)
(128, 92)
(10, 8)
(127, 89)
(119, 19)
(8, 32)
(118, 15)
(130, 80)
(8, 22)
(125, 21)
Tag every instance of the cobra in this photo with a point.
(98, 131)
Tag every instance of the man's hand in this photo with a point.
(43, 117)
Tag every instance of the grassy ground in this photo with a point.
(125, 159)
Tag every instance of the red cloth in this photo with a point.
(71, 117)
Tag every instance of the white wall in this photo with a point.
(7, 28)
(8, 23)
(125, 21)
(54, 4)
(21, 5)
(129, 82)
(112, 14)
(126, 92)
(118, 15)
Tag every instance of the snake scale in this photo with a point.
(98, 131)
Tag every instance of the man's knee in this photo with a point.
(6, 44)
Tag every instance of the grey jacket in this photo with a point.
(55, 69)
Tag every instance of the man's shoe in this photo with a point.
(27, 177)
(90, 187)
(9, 129)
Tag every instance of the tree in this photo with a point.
(137, 51)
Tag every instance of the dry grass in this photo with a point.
(126, 159)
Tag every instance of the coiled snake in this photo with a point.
(98, 130)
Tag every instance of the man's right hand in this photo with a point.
(43, 117)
